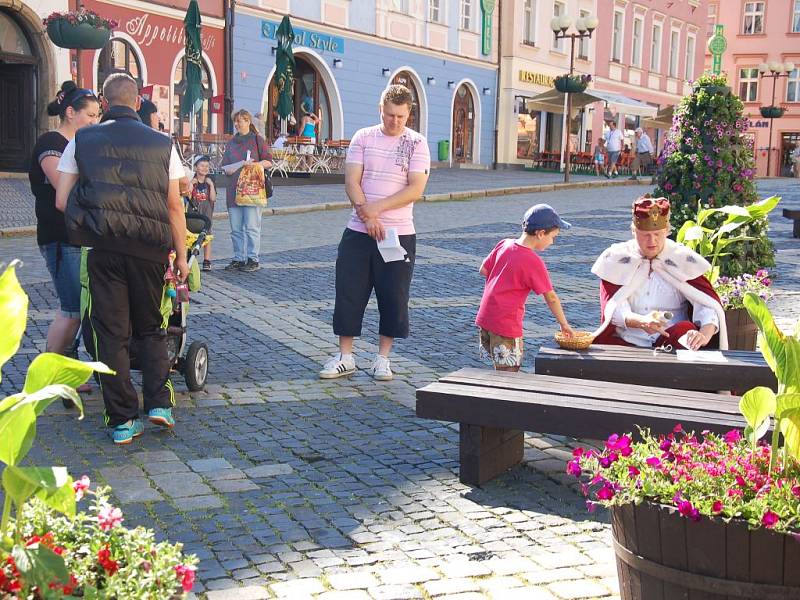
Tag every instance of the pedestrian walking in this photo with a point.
(245, 221)
(203, 195)
(514, 269)
(613, 139)
(644, 153)
(119, 189)
(75, 108)
(599, 153)
(386, 170)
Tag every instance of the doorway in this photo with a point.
(463, 125)
(789, 141)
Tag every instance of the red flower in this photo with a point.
(606, 492)
(186, 576)
(770, 519)
(717, 507)
(733, 436)
(574, 468)
(104, 558)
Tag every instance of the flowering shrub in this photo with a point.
(708, 161)
(81, 16)
(731, 290)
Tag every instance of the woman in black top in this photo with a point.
(75, 108)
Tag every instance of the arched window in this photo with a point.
(12, 38)
(118, 56)
(309, 90)
(404, 78)
(203, 117)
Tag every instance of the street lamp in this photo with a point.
(585, 26)
(773, 70)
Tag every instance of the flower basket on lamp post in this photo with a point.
(80, 30)
(771, 112)
(571, 84)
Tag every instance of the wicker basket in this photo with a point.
(580, 341)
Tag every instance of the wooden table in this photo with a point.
(622, 364)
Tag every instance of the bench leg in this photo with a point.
(486, 452)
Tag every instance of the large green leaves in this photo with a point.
(52, 485)
(50, 368)
(790, 428)
(39, 566)
(772, 336)
(13, 313)
(756, 406)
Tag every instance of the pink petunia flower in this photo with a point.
(770, 519)
(653, 461)
(717, 506)
(186, 575)
(109, 517)
(606, 492)
(80, 487)
(574, 468)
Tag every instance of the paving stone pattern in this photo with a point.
(289, 486)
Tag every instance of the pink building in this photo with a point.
(647, 50)
(768, 34)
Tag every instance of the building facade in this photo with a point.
(648, 51)
(348, 51)
(31, 72)
(148, 44)
(757, 33)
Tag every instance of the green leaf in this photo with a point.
(774, 338)
(13, 313)
(17, 431)
(689, 232)
(766, 352)
(790, 428)
(736, 211)
(20, 483)
(38, 565)
(756, 406)
(46, 396)
(753, 435)
(791, 376)
(785, 403)
(49, 368)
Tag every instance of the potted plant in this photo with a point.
(571, 84)
(709, 514)
(771, 112)
(82, 29)
(47, 548)
(715, 244)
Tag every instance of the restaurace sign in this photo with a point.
(146, 33)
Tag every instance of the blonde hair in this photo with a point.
(397, 94)
(244, 114)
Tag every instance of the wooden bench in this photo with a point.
(494, 408)
(794, 215)
(743, 371)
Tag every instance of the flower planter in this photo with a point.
(742, 331)
(771, 112)
(662, 555)
(571, 86)
(79, 36)
(715, 89)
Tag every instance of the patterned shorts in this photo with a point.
(504, 351)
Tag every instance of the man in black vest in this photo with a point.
(119, 191)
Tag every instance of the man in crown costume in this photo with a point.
(653, 291)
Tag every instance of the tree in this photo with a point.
(708, 162)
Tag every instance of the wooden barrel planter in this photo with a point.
(742, 330)
(662, 555)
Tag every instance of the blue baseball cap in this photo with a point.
(542, 216)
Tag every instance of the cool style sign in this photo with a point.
(303, 37)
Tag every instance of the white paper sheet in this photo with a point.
(707, 356)
(390, 247)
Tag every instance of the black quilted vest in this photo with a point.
(120, 201)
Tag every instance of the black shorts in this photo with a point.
(359, 270)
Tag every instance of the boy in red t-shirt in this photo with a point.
(513, 270)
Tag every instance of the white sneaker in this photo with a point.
(380, 369)
(336, 367)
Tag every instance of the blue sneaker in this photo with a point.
(124, 433)
(161, 416)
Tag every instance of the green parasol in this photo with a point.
(193, 94)
(284, 68)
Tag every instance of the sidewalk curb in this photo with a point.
(446, 197)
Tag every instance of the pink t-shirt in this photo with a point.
(387, 162)
(513, 271)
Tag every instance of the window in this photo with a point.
(712, 19)
(435, 11)
(12, 38)
(793, 86)
(691, 45)
(583, 44)
(529, 22)
(655, 49)
(400, 6)
(616, 36)
(674, 41)
(636, 52)
(404, 78)
(753, 21)
(748, 84)
(796, 17)
(203, 117)
(117, 56)
(559, 8)
(466, 14)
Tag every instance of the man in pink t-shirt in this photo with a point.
(385, 173)
(513, 270)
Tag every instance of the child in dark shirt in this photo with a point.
(203, 195)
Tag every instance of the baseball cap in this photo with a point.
(542, 216)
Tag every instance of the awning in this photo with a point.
(553, 101)
(662, 120)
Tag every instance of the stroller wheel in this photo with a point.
(195, 366)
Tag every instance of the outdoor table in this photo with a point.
(623, 364)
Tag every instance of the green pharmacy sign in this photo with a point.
(717, 45)
(487, 8)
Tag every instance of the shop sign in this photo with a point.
(309, 39)
(218, 104)
(487, 8)
(535, 78)
(145, 32)
(759, 124)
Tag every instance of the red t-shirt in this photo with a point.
(512, 272)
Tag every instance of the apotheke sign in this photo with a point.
(309, 39)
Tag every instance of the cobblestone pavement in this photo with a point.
(289, 486)
(17, 202)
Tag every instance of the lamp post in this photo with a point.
(585, 26)
(773, 70)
